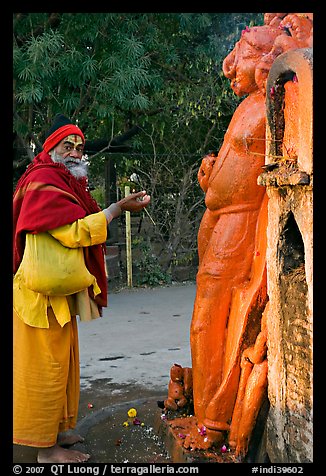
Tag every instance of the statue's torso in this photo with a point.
(233, 180)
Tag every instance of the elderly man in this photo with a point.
(52, 198)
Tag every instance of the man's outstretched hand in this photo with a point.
(134, 202)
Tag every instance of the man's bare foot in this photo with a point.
(56, 454)
(66, 438)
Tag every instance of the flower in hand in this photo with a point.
(134, 202)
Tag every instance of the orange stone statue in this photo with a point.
(228, 333)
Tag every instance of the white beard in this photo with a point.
(77, 167)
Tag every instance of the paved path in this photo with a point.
(141, 334)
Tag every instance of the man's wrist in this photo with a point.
(111, 212)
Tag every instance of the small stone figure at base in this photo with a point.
(180, 388)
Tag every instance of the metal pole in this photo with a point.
(128, 242)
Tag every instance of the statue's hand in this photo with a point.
(205, 170)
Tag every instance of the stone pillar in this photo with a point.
(288, 179)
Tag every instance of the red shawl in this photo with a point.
(47, 196)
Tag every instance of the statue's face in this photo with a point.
(240, 65)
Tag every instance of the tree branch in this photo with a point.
(114, 145)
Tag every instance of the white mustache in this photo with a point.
(76, 167)
(71, 159)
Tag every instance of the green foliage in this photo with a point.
(99, 195)
(112, 71)
(149, 271)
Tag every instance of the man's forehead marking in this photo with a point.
(74, 139)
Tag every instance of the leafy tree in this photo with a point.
(111, 71)
(148, 91)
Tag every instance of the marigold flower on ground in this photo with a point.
(132, 412)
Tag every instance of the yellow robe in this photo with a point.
(31, 307)
(45, 350)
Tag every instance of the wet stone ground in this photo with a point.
(111, 435)
(103, 411)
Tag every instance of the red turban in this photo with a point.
(61, 133)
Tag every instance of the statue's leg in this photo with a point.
(208, 321)
(225, 264)
(251, 390)
(207, 336)
(246, 368)
(225, 268)
(255, 391)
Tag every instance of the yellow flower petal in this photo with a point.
(132, 412)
